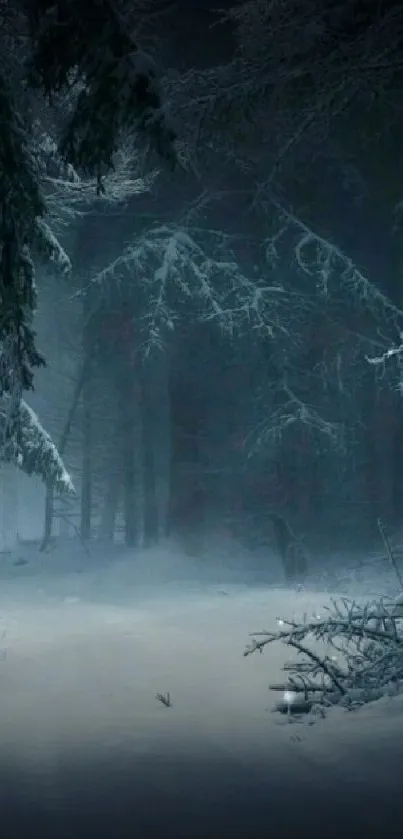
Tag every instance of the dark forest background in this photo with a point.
(225, 345)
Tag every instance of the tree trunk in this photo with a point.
(157, 412)
(48, 522)
(47, 530)
(10, 505)
(371, 464)
(132, 455)
(291, 552)
(150, 506)
(397, 467)
(86, 481)
(111, 498)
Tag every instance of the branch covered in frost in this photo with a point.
(48, 246)
(69, 195)
(167, 267)
(350, 656)
(381, 363)
(393, 352)
(30, 447)
(293, 412)
(325, 262)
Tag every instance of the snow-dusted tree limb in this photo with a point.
(393, 352)
(69, 199)
(170, 268)
(366, 643)
(49, 247)
(390, 359)
(69, 195)
(31, 449)
(326, 262)
(292, 412)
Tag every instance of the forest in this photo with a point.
(200, 268)
(201, 417)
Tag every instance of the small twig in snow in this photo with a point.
(165, 699)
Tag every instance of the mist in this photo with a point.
(87, 748)
(201, 484)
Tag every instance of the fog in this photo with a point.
(149, 581)
(88, 750)
(201, 419)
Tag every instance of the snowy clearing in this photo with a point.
(80, 723)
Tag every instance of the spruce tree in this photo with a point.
(82, 51)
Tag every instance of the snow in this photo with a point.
(35, 453)
(52, 247)
(88, 750)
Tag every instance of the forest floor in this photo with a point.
(87, 749)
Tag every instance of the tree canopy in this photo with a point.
(295, 130)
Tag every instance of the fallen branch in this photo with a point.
(368, 640)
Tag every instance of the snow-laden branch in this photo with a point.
(169, 268)
(321, 258)
(393, 352)
(69, 195)
(293, 412)
(350, 656)
(49, 246)
(31, 448)
(383, 361)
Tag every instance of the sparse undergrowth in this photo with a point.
(351, 656)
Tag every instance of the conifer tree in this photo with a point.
(83, 50)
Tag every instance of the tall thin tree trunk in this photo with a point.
(49, 500)
(150, 506)
(157, 409)
(10, 505)
(371, 465)
(132, 453)
(111, 497)
(397, 467)
(48, 521)
(86, 482)
(87, 429)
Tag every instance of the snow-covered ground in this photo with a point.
(87, 750)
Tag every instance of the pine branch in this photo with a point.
(30, 447)
(87, 48)
(173, 270)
